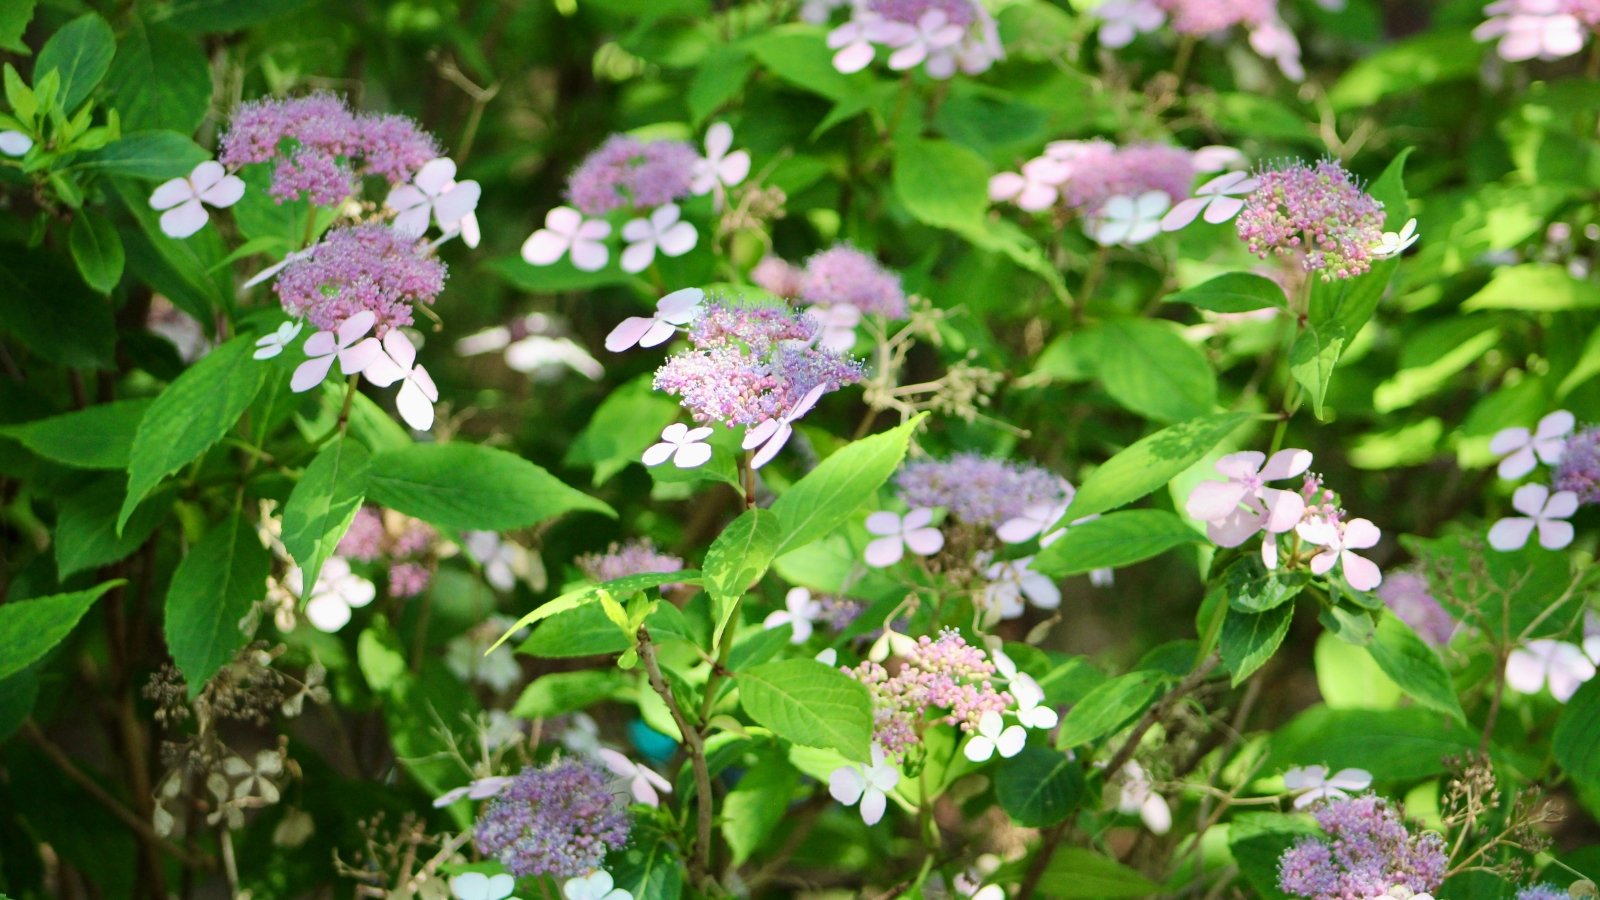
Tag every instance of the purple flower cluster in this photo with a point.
(909, 12)
(1545, 891)
(318, 141)
(844, 275)
(1367, 851)
(1101, 170)
(625, 170)
(977, 489)
(1406, 594)
(1579, 469)
(636, 557)
(367, 267)
(560, 819)
(839, 612)
(943, 674)
(1316, 213)
(751, 362)
(406, 544)
(1202, 18)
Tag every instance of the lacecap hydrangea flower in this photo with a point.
(636, 557)
(625, 171)
(941, 36)
(1316, 215)
(1367, 850)
(944, 675)
(1579, 469)
(559, 819)
(372, 267)
(976, 489)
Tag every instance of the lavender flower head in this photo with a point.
(560, 819)
(1545, 891)
(1366, 852)
(318, 142)
(367, 267)
(1406, 594)
(408, 579)
(1579, 469)
(945, 674)
(779, 277)
(636, 557)
(977, 489)
(977, 47)
(1101, 170)
(751, 362)
(1202, 18)
(363, 540)
(625, 170)
(1316, 213)
(843, 274)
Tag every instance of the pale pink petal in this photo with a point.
(845, 784)
(806, 403)
(435, 175)
(1322, 562)
(405, 197)
(355, 327)
(382, 371)
(908, 56)
(918, 518)
(638, 257)
(1509, 439)
(873, 805)
(1002, 187)
(414, 406)
(413, 221)
(589, 256)
(357, 358)
(1185, 212)
(320, 344)
(1561, 505)
(1037, 197)
(206, 175)
(1286, 464)
(1318, 532)
(1556, 424)
(885, 551)
(1530, 499)
(1554, 534)
(544, 247)
(679, 239)
(657, 454)
(690, 456)
(1236, 528)
(1525, 671)
(854, 57)
(780, 436)
(1284, 509)
(399, 348)
(424, 383)
(1510, 534)
(1359, 534)
(1222, 209)
(638, 230)
(1011, 741)
(925, 541)
(1040, 590)
(184, 220)
(310, 373)
(1241, 465)
(457, 203)
(719, 137)
(226, 192)
(1351, 779)
(628, 333)
(1214, 500)
(1362, 573)
(697, 434)
(734, 168)
(564, 221)
(883, 522)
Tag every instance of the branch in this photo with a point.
(700, 868)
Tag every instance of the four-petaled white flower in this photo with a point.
(1395, 243)
(398, 362)
(838, 321)
(1035, 188)
(1313, 783)
(349, 344)
(1532, 30)
(1217, 198)
(1235, 509)
(597, 885)
(869, 784)
(478, 886)
(1540, 509)
(800, 613)
(271, 345)
(663, 231)
(337, 591)
(771, 434)
(185, 199)
(1338, 541)
(478, 789)
(853, 40)
(1031, 711)
(1138, 796)
(434, 193)
(672, 311)
(15, 143)
(567, 231)
(914, 531)
(994, 736)
(1561, 666)
(932, 33)
(1010, 582)
(1520, 447)
(1123, 20)
(1129, 220)
(685, 446)
(1035, 522)
(719, 170)
(643, 782)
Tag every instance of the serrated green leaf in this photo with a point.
(1113, 540)
(1108, 707)
(1150, 463)
(1234, 292)
(30, 628)
(1039, 787)
(737, 559)
(224, 573)
(95, 437)
(323, 504)
(811, 704)
(831, 493)
(81, 52)
(1076, 872)
(1250, 639)
(470, 487)
(97, 250)
(1414, 666)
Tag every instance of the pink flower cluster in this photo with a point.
(627, 171)
(321, 146)
(1367, 852)
(635, 557)
(839, 276)
(1269, 36)
(370, 267)
(1539, 29)
(406, 543)
(943, 674)
(941, 36)
(1316, 214)
(750, 363)
(1080, 176)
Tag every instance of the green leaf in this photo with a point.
(470, 487)
(86, 526)
(1039, 787)
(1414, 666)
(44, 303)
(588, 631)
(1113, 540)
(14, 18)
(1430, 58)
(619, 587)
(758, 804)
(941, 183)
(193, 413)
(95, 437)
(559, 693)
(1400, 744)
(1080, 872)
(1250, 639)
(1108, 707)
(1576, 740)
(213, 588)
(1150, 463)
(648, 869)
(717, 80)
(1258, 840)
(97, 250)
(1348, 677)
(831, 493)
(81, 51)
(29, 628)
(1234, 292)
(160, 79)
(1251, 588)
(1533, 287)
(799, 55)
(811, 704)
(323, 504)
(737, 559)
(226, 15)
(626, 422)
(150, 155)
(1431, 357)
(1149, 369)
